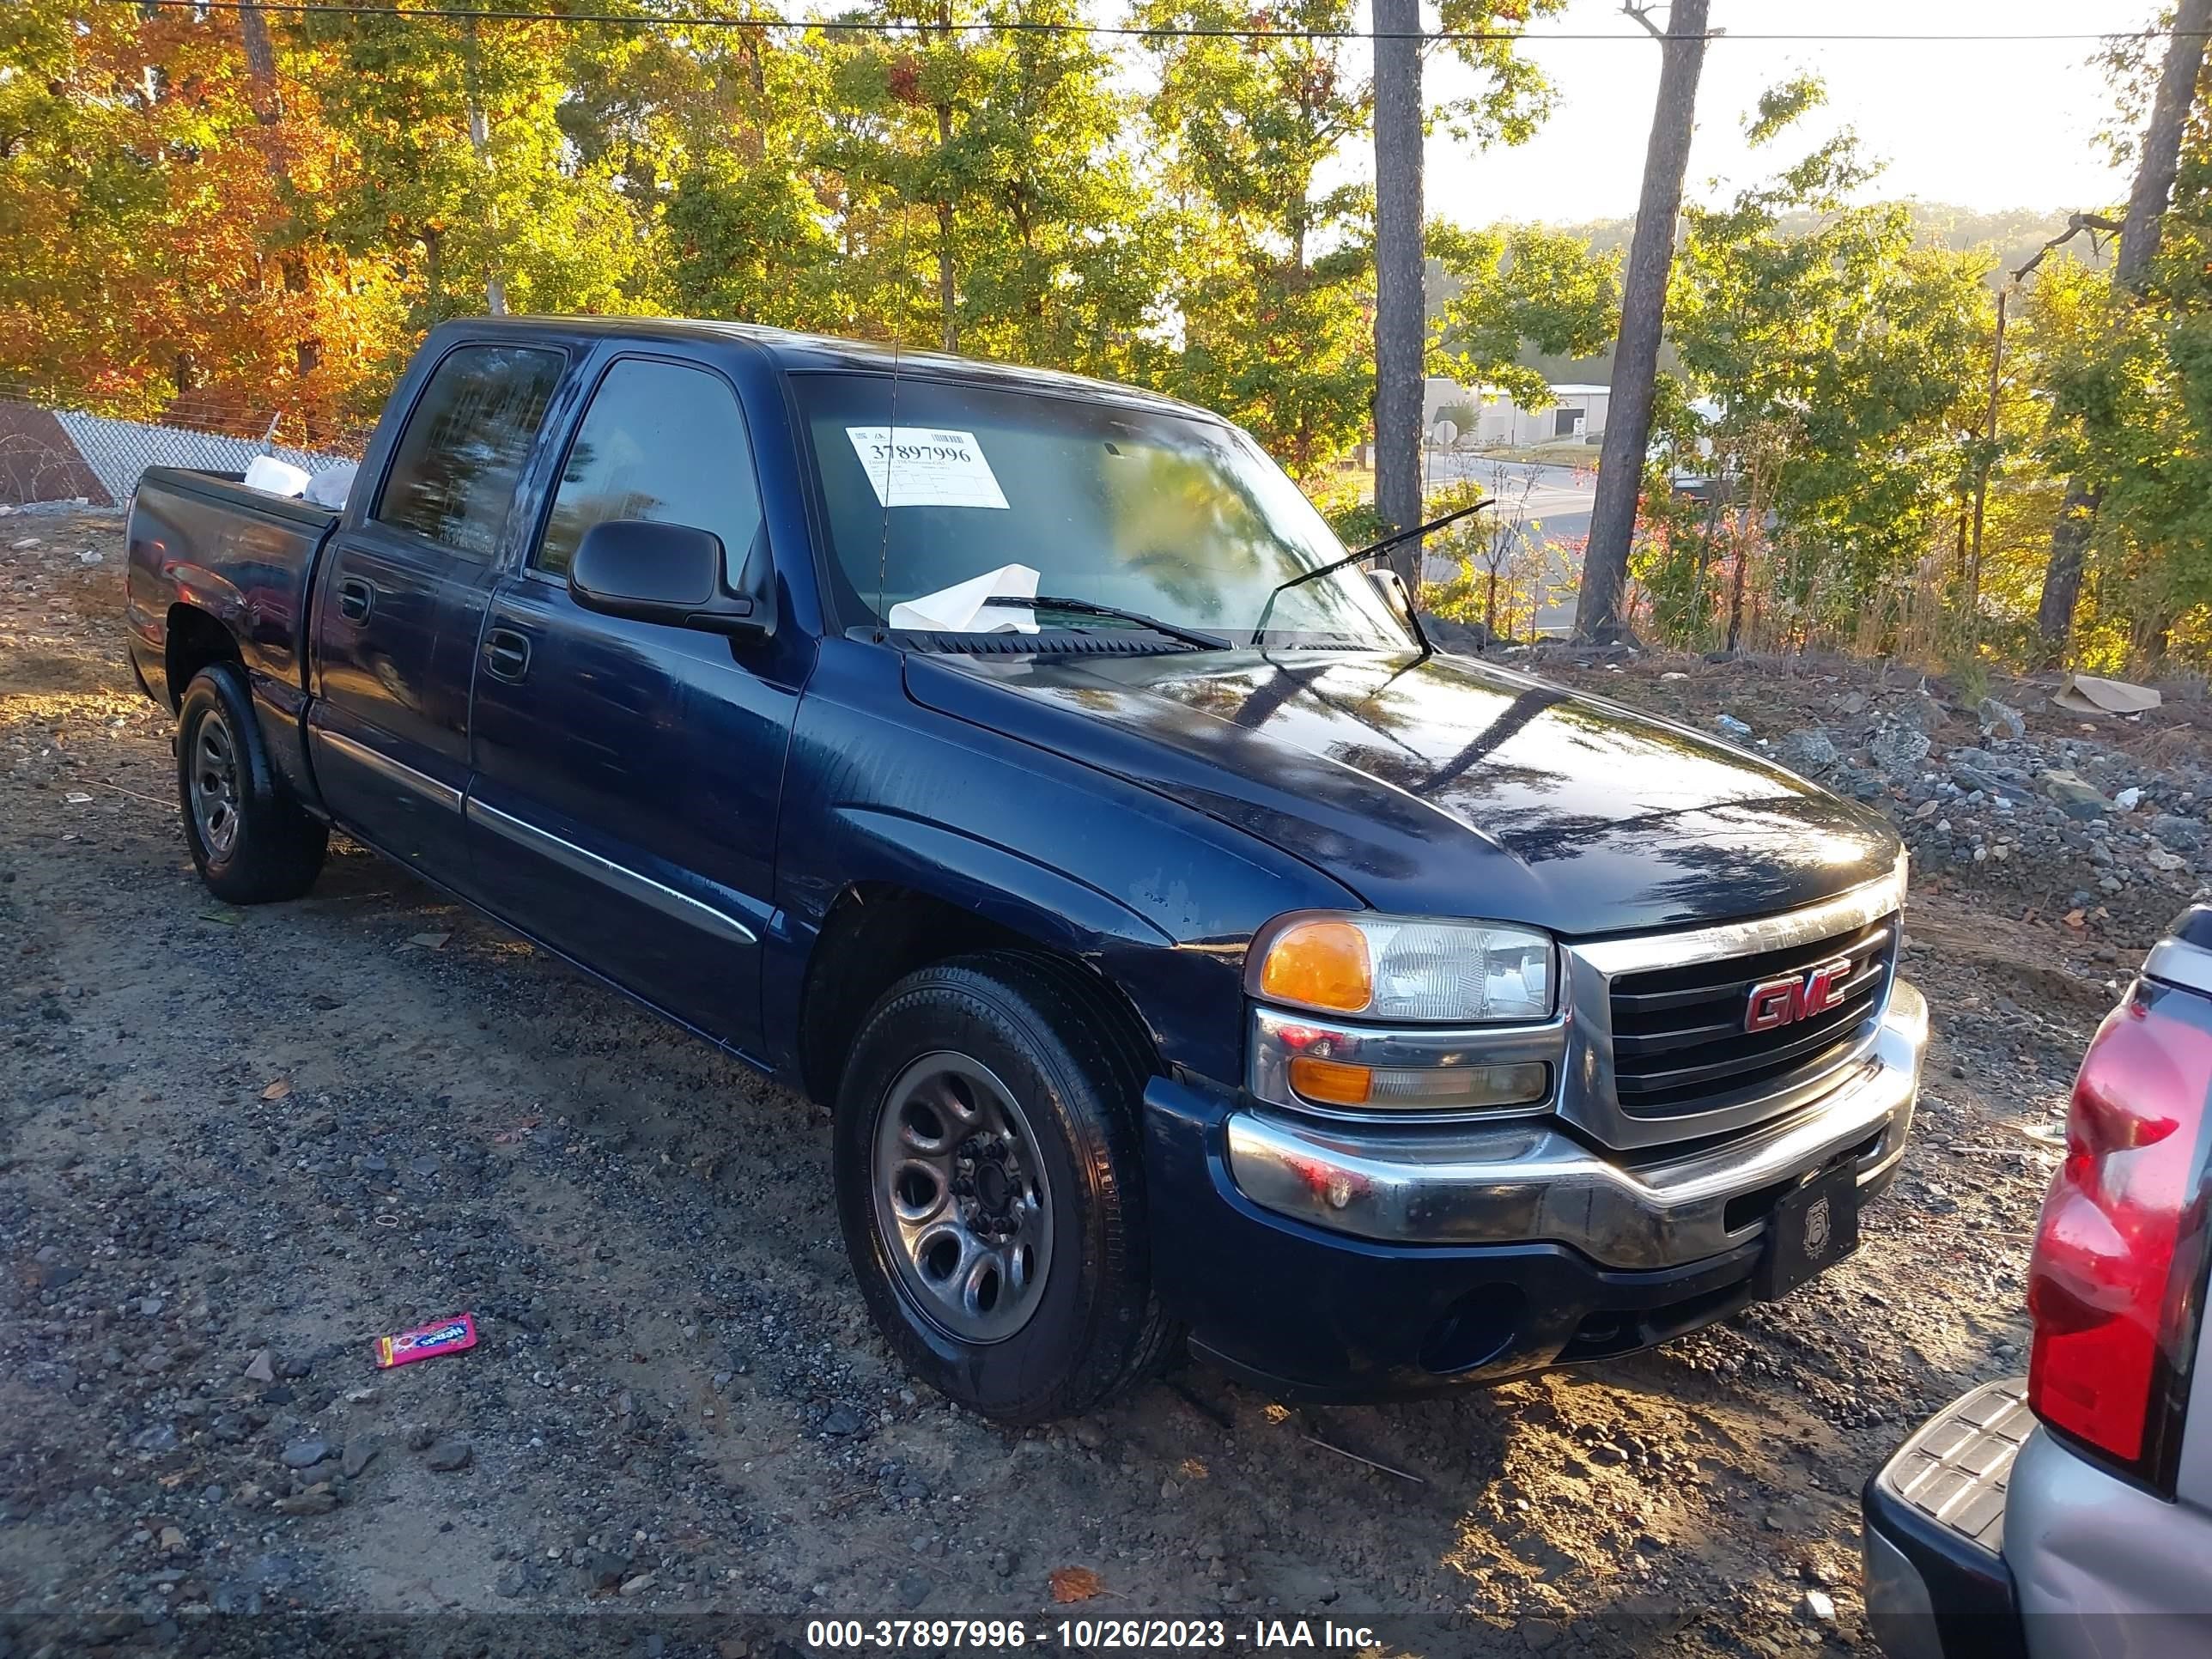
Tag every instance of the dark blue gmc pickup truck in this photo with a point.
(1183, 947)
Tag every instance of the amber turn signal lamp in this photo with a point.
(1319, 964)
(1331, 1082)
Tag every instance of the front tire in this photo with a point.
(250, 842)
(989, 1177)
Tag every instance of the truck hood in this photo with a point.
(1445, 786)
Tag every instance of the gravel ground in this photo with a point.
(239, 1144)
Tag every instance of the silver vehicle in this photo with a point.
(2069, 1513)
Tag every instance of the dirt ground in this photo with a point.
(236, 1145)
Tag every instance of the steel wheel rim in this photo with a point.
(961, 1199)
(213, 787)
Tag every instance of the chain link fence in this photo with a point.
(51, 453)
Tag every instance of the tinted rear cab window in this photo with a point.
(454, 468)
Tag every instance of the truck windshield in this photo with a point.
(1181, 519)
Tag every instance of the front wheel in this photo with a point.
(989, 1181)
(250, 840)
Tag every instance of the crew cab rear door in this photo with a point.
(627, 773)
(400, 602)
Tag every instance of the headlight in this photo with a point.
(1405, 968)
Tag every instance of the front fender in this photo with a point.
(1160, 898)
(996, 883)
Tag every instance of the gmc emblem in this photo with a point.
(1776, 1002)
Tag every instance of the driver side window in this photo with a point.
(660, 443)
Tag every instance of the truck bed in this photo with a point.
(246, 559)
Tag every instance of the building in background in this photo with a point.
(1484, 417)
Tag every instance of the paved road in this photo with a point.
(1551, 504)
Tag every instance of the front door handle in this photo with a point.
(356, 598)
(506, 655)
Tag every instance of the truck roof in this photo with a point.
(799, 353)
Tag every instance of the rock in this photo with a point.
(913, 1590)
(316, 1500)
(1090, 1436)
(1998, 717)
(2182, 835)
(229, 1427)
(1729, 726)
(1819, 1607)
(359, 1455)
(425, 1165)
(1460, 639)
(160, 1437)
(448, 1456)
(306, 1453)
(2077, 797)
(1971, 778)
(421, 1438)
(512, 1583)
(262, 1368)
(841, 1420)
(1605, 1452)
(173, 1540)
(639, 1585)
(605, 1568)
(1898, 750)
(1808, 750)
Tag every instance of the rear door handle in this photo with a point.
(506, 655)
(356, 598)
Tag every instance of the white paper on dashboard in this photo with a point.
(925, 466)
(956, 609)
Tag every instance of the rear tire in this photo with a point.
(250, 842)
(989, 1175)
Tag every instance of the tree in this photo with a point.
(1642, 319)
(152, 256)
(982, 164)
(1518, 288)
(1514, 100)
(457, 170)
(1845, 363)
(1400, 304)
(2159, 162)
(1272, 278)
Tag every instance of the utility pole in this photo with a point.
(1643, 321)
(1401, 324)
(2139, 232)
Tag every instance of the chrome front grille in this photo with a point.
(1657, 1055)
(1679, 1040)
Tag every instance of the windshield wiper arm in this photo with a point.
(1086, 608)
(1260, 627)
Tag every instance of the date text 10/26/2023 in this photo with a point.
(1087, 1635)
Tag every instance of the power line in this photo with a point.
(834, 25)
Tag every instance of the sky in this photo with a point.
(1983, 124)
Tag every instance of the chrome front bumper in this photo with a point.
(1527, 1181)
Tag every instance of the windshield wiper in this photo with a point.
(1086, 608)
(1413, 616)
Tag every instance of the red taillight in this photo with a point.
(2113, 1283)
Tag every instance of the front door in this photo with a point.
(627, 773)
(400, 608)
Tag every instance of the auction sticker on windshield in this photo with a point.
(925, 466)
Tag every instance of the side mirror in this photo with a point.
(663, 573)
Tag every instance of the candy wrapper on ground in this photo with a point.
(452, 1335)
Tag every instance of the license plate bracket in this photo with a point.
(1809, 1231)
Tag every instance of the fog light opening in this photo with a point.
(1474, 1330)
